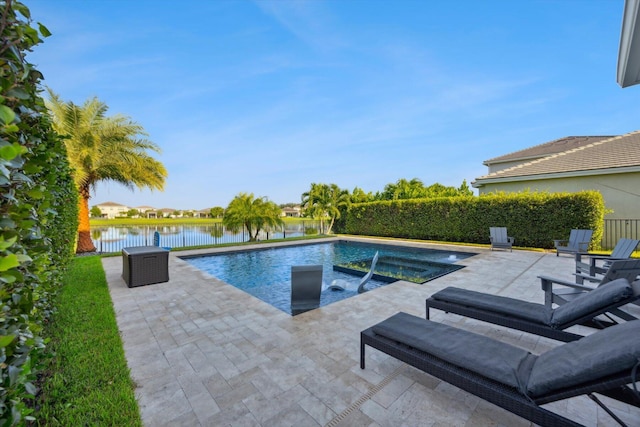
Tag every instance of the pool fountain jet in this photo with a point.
(453, 257)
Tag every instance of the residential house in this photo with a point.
(146, 211)
(112, 209)
(292, 212)
(167, 213)
(203, 213)
(608, 164)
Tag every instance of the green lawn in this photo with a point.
(87, 382)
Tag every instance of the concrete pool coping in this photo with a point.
(203, 353)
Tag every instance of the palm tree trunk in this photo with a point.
(331, 225)
(85, 244)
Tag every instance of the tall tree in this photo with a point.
(358, 195)
(404, 189)
(254, 214)
(216, 212)
(323, 201)
(103, 148)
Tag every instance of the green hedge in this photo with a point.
(533, 219)
(38, 216)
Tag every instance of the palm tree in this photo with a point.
(254, 214)
(324, 201)
(359, 196)
(102, 148)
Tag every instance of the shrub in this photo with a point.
(533, 219)
(38, 212)
(310, 231)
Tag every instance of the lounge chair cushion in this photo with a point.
(507, 364)
(503, 305)
(589, 302)
(590, 358)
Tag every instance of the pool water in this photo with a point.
(266, 273)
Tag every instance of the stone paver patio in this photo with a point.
(203, 353)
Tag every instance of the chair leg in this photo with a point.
(547, 287)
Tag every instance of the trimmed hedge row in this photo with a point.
(533, 219)
(38, 215)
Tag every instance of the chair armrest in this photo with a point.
(601, 257)
(547, 286)
(560, 242)
(583, 277)
(511, 240)
(547, 282)
(583, 246)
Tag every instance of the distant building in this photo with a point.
(292, 212)
(167, 212)
(111, 209)
(146, 211)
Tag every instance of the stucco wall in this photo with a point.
(621, 192)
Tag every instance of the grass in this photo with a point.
(87, 382)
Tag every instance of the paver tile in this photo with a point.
(203, 353)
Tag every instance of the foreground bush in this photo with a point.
(38, 211)
(533, 219)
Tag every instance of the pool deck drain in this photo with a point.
(356, 405)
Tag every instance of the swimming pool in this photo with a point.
(266, 273)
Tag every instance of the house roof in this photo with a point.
(111, 204)
(612, 155)
(548, 148)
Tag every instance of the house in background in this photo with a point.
(146, 211)
(111, 209)
(167, 213)
(203, 213)
(292, 212)
(610, 165)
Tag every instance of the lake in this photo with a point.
(114, 238)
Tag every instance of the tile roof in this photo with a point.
(548, 148)
(110, 204)
(615, 152)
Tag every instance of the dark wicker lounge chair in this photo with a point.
(508, 376)
(537, 318)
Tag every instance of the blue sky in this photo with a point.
(267, 97)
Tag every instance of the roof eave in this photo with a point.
(514, 159)
(608, 171)
(628, 72)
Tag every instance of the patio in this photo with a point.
(204, 353)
